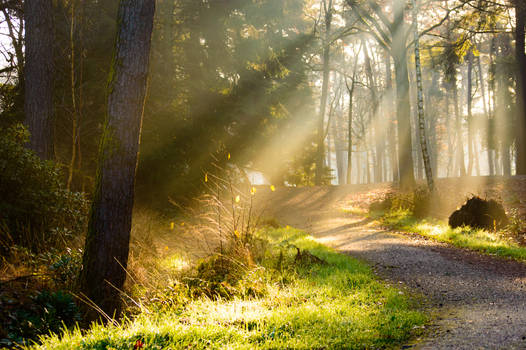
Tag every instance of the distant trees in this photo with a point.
(38, 76)
(107, 242)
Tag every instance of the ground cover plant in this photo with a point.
(397, 212)
(333, 301)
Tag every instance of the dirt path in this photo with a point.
(480, 301)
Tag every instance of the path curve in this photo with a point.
(480, 300)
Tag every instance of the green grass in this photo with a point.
(464, 237)
(340, 305)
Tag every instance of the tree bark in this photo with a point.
(391, 129)
(374, 124)
(403, 115)
(420, 105)
(38, 74)
(520, 17)
(107, 242)
(469, 59)
(324, 89)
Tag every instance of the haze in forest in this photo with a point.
(193, 115)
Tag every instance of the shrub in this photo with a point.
(480, 213)
(420, 202)
(36, 210)
(41, 314)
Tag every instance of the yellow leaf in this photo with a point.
(238, 198)
(228, 156)
(206, 177)
(253, 191)
(272, 188)
(165, 247)
(172, 225)
(236, 233)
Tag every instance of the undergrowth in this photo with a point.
(330, 301)
(505, 243)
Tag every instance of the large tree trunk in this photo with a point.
(520, 17)
(38, 74)
(403, 110)
(405, 145)
(107, 242)
(420, 106)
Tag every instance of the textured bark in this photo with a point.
(38, 74)
(420, 105)
(107, 243)
(520, 16)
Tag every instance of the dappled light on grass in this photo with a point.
(333, 305)
(496, 243)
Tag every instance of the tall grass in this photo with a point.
(335, 304)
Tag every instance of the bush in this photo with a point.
(41, 314)
(480, 213)
(36, 210)
(420, 202)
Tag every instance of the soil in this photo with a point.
(475, 301)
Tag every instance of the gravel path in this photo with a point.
(479, 302)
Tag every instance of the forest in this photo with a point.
(262, 174)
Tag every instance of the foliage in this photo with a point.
(335, 305)
(420, 202)
(224, 81)
(36, 210)
(41, 314)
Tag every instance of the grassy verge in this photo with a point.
(339, 304)
(483, 241)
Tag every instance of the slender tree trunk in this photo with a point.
(324, 90)
(469, 88)
(38, 76)
(520, 17)
(74, 122)
(458, 132)
(349, 132)
(449, 128)
(491, 170)
(420, 105)
(391, 129)
(107, 242)
(374, 114)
